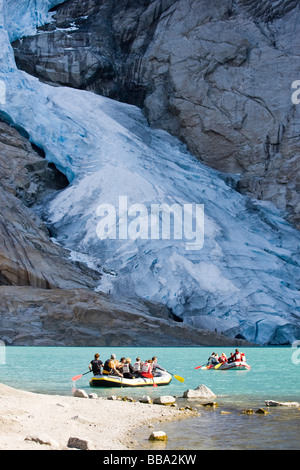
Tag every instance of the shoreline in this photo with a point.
(31, 421)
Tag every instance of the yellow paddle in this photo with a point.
(177, 377)
(219, 365)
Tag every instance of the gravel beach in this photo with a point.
(30, 421)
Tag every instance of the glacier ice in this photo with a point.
(244, 280)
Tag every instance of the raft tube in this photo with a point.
(230, 366)
(108, 381)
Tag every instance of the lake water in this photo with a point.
(274, 375)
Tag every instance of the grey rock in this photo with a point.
(93, 396)
(80, 394)
(216, 74)
(289, 404)
(164, 400)
(145, 399)
(200, 392)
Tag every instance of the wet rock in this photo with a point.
(289, 404)
(158, 436)
(261, 411)
(212, 404)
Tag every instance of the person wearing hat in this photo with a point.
(111, 366)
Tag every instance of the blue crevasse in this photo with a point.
(243, 280)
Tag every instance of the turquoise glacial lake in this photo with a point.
(274, 375)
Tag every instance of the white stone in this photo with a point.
(80, 394)
(290, 404)
(200, 392)
(166, 400)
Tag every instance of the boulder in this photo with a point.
(80, 394)
(165, 400)
(200, 392)
(289, 404)
(145, 399)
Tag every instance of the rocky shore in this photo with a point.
(32, 421)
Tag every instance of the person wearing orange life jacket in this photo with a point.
(147, 369)
(223, 358)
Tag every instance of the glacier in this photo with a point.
(244, 280)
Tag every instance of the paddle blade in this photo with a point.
(181, 379)
(219, 365)
(152, 377)
(77, 377)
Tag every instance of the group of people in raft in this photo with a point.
(124, 367)
(237, 356)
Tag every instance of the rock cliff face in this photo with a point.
(27, 256)
(81, 317)
(216, 74)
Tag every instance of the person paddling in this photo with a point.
(156, 367)
(111, 366)
(96, 365)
